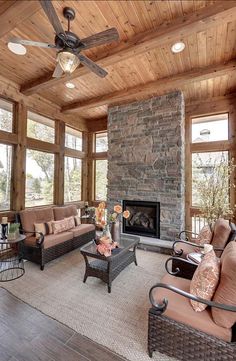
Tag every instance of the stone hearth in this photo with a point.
(146, 157)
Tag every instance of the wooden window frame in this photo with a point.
(229, 145)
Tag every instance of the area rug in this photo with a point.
(117, 320)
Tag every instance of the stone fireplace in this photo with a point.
(146, 157)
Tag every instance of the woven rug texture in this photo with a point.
(118, 320)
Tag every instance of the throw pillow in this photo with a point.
(70, 222)
(204, 236)
(77, 220)
(45, 228)
(205, 280)
(221, 234)
(59, 226)
(226, 291)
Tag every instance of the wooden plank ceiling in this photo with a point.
(207, 47)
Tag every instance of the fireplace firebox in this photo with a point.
(144, 218)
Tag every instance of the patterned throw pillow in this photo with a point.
(205, 236)
(70, 222)
(45, 228)
(205, 280)
(59, 226)
(77, 220)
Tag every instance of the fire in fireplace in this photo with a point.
(144, 218)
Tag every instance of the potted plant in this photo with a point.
(13, 232)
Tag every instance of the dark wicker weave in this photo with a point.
(182, 341)
(42, 256)
(108, 268)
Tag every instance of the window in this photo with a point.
(39, 178)
(101, 179)
(210, 128)
(212, 131)
(203, 165)
(5, 176)
(101, 142)
(73, 138)
(39, 127)
(72, 179)
(6, 115)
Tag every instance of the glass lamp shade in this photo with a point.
(68, 61)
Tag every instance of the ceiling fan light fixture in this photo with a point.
(16, 48)
(68, 61)
(178, 47)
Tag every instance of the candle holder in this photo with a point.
(4, 230)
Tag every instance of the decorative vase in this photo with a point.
(106, 231)
(115, 231)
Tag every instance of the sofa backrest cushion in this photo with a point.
(64, 212)
(37, 215)
(221, 234)
(226, 290)
(204, 236)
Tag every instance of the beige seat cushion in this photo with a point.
(180, 309)
(54, 239)
(205, 280)
(226, 291)
(64, 212)
(82, 228)
(221, 234)
(38, 215)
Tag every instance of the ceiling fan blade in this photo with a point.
(92, 66)
(100, 38)
(57, 72)
(52, 16)
(31, 43)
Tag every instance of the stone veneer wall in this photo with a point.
(146, 157)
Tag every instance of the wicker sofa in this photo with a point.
(44, 249)
(175, 329)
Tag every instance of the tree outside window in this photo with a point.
(101, 179)
(5, 176)
(72, 179)
(39, 178)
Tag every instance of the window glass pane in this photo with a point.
(101, 180)
(210, 128)
(203, 165)
(73, 139)
(6, 115)
(5, 175)
(39, 127)
(101, 142)
(39, 178)
(72, 191)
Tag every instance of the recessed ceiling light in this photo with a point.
(70, 85)
(17, 48)
(178, 47)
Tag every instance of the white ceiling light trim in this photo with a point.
(70, 85)
(16, 48)
(178, 47)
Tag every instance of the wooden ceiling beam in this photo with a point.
(220, 12)
(156, 87)
(17, 13)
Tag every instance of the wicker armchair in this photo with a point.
(174, 328)
(182, 341)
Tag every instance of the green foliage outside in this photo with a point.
(101, 180)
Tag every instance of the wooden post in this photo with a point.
(59, 163)
(19, 158)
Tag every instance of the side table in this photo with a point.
(11, 259)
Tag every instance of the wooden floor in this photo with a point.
(28, 335)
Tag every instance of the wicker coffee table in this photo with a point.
(108, 268)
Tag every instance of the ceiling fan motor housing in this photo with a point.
(71, 41)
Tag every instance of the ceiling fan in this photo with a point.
(68, 44)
